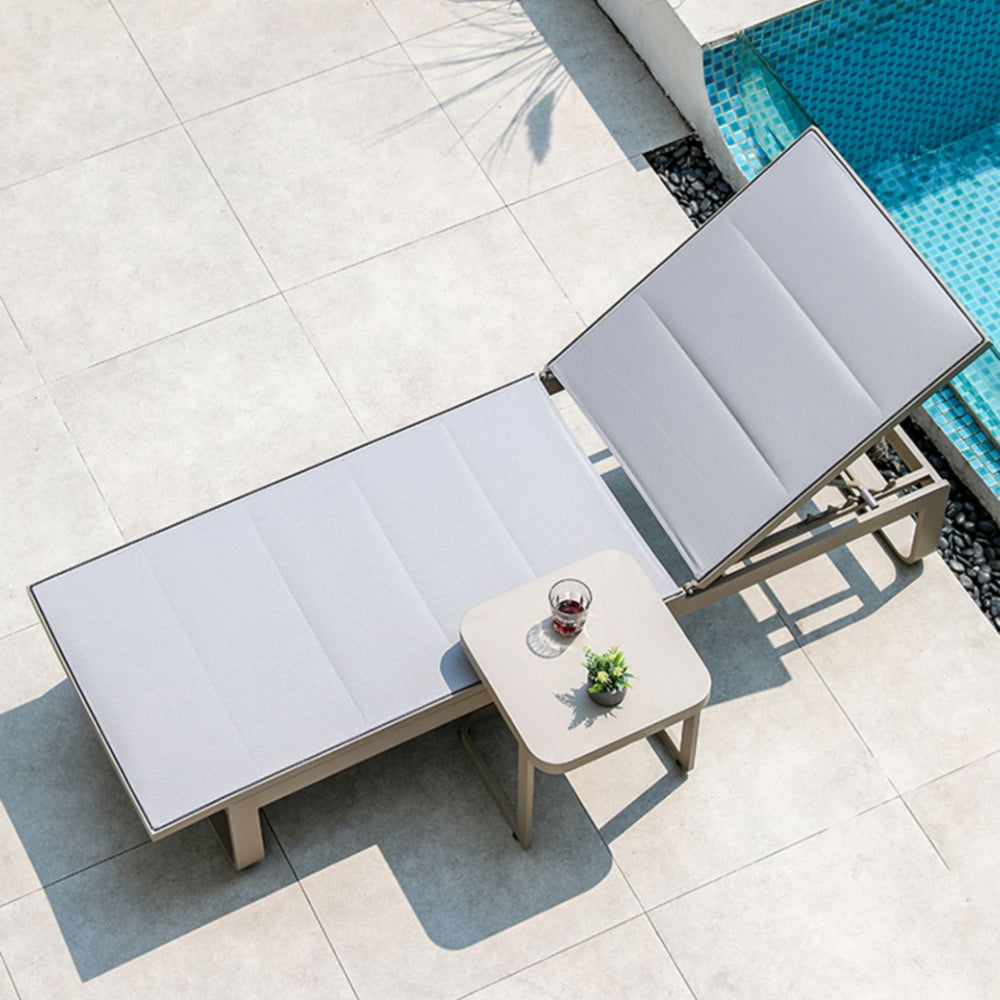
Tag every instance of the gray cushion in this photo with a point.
(764, 352)
(254, 636)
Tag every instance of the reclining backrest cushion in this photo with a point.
(764, 353)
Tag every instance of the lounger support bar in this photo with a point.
(908, 513)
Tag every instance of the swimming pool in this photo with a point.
(909, 92)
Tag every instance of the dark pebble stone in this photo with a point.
(965, 581)
(983, 576)
(985, 526)
(977, 552)
(955, 566)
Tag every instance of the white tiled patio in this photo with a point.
(237, 238)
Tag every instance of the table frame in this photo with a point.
(520, 817)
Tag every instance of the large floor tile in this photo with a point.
(961, 814)
(625, 962)
(777, 761)
(119, 250)
(408, 19)
(603, 233)
(418, 882)
(544, 93)
(205, 415)
(910, 658)
(864, 910)
(52, 513)
(504, 318)
(342, 166)
(171, 920)
(209, 53)
(64, 807)
(57, 56)
(17, 371)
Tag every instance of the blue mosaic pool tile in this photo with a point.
(964, 431)
(887, 78)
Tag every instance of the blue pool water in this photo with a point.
(909, 92)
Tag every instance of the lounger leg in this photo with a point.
(525, 797)
(915, 538)
(521, 821)
(238, 828)
(685, 753)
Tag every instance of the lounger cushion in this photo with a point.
(760, 356)
(269, 630)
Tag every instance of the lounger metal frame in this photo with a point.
(907, 512)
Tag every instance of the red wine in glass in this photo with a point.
(567, 607)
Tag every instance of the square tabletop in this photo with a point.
(537, 677)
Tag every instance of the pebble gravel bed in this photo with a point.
(691, 177)
(970, 538)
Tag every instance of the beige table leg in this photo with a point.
(525, 797)
(689, 741)
(521, 821)
(238, 828)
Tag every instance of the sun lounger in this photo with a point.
(262, 645)
(761, 359)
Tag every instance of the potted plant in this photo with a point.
(608, 674)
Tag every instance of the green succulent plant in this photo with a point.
(606, 671)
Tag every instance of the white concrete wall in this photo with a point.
(672, 53)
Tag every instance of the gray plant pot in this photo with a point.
(607, 698)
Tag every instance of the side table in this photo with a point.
(537, 680)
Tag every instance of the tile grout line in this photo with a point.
(56, 379)
(506, 206)
(20, 628)
(282, 86)
(541, 961)
(45, 886)
(236, 217)
(799, 639)
(305, 895)
(20, 337)
(927, 836)
(89, 156)
(440, 106)
(450, 228)
(754, 861)
(10, 975)
(180, 122)
(86, 464)
(324, 366)
(666, 948)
